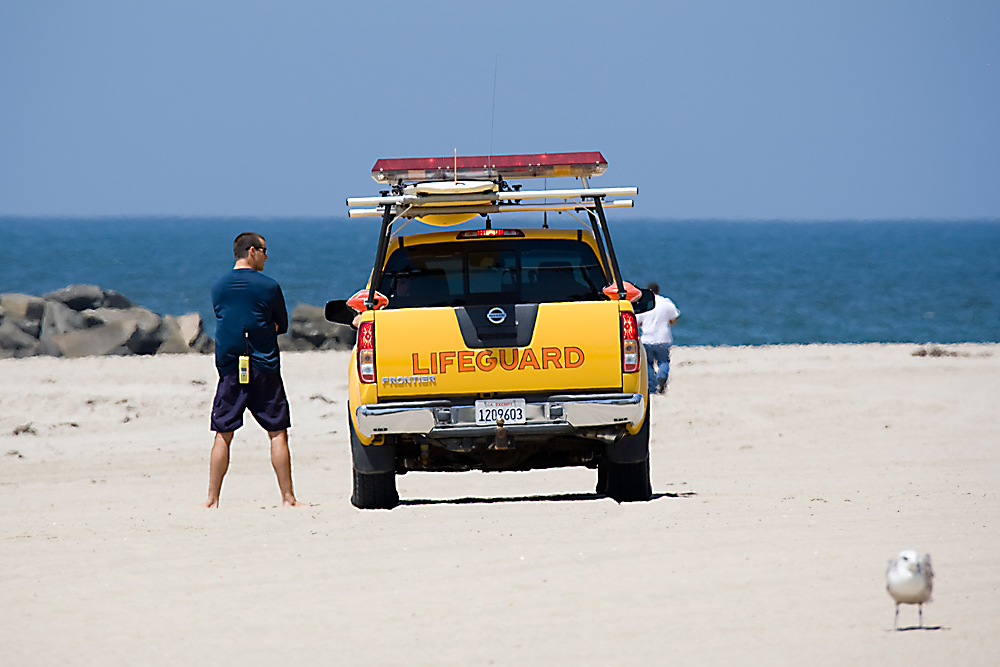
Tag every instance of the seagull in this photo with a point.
(910, 580)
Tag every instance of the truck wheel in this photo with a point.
(629, 482)
(372, 490)
(375, 491)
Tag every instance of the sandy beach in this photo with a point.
(784, 479)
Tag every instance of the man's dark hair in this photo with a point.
(245, 241)
(654, 288)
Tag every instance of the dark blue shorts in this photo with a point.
(264, 397)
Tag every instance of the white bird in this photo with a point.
(910, 580)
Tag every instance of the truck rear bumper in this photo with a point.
(562, 414)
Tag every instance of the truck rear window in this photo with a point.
(489, 272)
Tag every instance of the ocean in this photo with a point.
(735, 283)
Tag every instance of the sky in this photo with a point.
(731, 110)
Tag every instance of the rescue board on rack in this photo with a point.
(450, 188)
(468, 192)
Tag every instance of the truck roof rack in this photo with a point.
(419, 189)
(413, 195)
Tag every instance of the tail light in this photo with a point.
(630, 343)
(366, 352)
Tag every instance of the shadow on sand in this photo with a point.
(530, 499)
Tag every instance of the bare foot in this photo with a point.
(295, 503)
(210, 504)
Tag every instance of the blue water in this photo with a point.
(736, 283)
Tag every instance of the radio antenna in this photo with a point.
(545, 214)
(489, 166)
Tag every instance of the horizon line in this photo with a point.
(303, 217)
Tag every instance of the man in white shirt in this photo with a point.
(656, 338)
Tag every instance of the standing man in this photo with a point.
(250, 314)
(656, 338)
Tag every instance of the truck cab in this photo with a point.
(494, 348)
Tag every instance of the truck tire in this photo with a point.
(628, 482)
(373, 490)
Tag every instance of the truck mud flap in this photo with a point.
(372, 458)
(628, 450)
(631, 448)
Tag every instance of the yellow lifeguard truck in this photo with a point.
(495, 348)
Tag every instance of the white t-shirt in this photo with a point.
(655, 323)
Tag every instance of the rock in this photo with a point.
(309, 323)
(149, 335)
(191, 327)
(30, 327)
(35, 350)
(13, 338)
(78, 297)
(22, 307)
(337, 344)
(113, 299)
(288, 343)
(345, 338)
(98, 340)
(174, 341)
(146, 320)
(204, 344)
(48, 348)
(85, 320)
(59, 319)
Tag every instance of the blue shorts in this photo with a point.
(264, 397)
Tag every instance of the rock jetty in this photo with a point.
(85, 320)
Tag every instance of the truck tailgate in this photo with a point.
(421, 352)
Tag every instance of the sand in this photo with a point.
(785, 478)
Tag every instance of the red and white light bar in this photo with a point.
(484, 167)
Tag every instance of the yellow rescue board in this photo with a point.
(421, 352)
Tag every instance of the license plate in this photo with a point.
(510, 410)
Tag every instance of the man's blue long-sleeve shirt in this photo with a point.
(247, 306)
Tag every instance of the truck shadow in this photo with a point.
(563, 497)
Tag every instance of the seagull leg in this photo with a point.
(921, 613)
(895, 621)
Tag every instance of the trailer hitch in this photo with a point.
(502, 439)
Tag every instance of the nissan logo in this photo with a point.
(496, 315)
